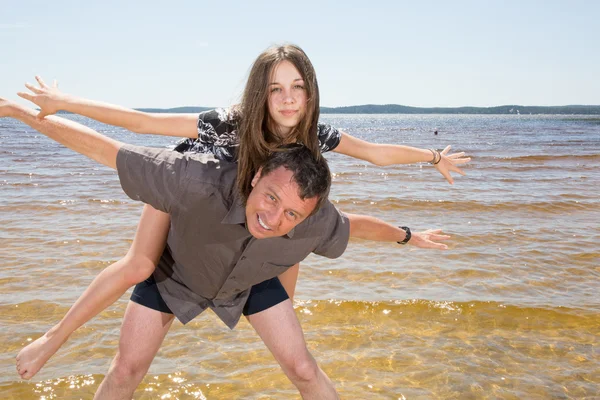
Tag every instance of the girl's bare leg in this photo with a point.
(289, 279)
(105, 289)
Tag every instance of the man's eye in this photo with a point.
(292, 214)
(272, 198)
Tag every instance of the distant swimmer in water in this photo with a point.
(435, 132)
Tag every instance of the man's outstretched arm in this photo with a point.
(68, 133)
(371, 228)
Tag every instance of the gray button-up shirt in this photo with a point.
(211, 260)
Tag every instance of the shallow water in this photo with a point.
(510, 311)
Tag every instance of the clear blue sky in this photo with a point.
(430, 53)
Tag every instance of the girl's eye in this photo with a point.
(301, 87)
(275, 89)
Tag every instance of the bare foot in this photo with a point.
(33, 356)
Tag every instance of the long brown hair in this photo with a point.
(257, 141)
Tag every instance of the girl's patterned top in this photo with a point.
(217, 134)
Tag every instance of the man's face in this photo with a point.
(274, 207)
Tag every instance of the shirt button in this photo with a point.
(243, 258)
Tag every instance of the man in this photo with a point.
(218, 247)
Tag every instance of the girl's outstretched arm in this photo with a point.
(389, 154)
(50, 100)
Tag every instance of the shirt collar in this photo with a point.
(237, 214)
(290, 234)
(237, 211)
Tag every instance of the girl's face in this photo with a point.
(287, 97)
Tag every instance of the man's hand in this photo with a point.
(7, 108)
(45, 97)
(428, 239)
(449, 162)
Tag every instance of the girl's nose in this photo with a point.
(288, 98)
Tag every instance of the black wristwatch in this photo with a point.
(407, 238)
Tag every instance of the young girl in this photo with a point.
(280, 105)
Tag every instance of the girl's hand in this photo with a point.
(449, 162)
(47, 98)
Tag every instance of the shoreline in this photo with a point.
(399, 109)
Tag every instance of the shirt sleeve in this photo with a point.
(329, 137)
(217, 135)
(334, 241)
(152, 176)
(208, 122)
(207, 134)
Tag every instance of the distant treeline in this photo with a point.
(176, 109)
(512, 109)
(398, 109)
(179, 110)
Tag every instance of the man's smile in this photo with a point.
(262, 224)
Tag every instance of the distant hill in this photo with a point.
(182, 110)
(510, 109)
(398, 109)
(179, 110)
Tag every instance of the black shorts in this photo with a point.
(262, 296)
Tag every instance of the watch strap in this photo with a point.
(408, 234)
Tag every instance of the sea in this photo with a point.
(510, 311)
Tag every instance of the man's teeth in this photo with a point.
(263, 224)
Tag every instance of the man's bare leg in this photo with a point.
(280, 330)
(105, 289)
(142, 333)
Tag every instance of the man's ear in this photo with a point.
(256, 177)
